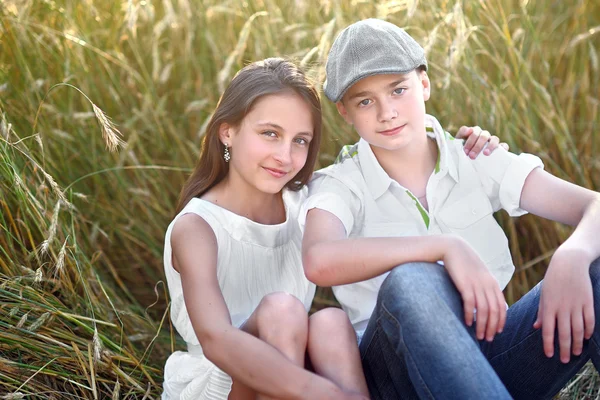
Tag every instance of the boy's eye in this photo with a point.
(364, 102)
(399, 90)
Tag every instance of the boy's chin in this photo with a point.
(397, 144)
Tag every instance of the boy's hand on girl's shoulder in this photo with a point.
(566, 304)
(477, 286)
(476, 140)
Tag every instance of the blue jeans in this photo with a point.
(417, 345)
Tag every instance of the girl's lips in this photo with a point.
(275, 172)
(393, 131)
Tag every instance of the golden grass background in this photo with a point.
(82, 296)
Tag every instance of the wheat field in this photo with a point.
(102, 109)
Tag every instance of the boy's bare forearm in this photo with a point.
(585, 236)
(343, 261)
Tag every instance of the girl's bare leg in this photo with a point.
(280, 320)
(333, 350)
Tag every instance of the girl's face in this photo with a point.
(271, 144)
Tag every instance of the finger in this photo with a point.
(589, 320)
(479, 144)
(577, 332)
(493, 312)
(471, 140)
(469, 305)
(505, 146)
(564, 336)
(539, 319)
(502, 305)
(482, 307)
(464, 132)
(492, 145)
(548, 333)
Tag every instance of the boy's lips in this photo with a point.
(393, 131)
(277, 173)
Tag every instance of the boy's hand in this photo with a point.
(477, 287)
(476, 139)
(566, 304)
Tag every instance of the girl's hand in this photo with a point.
(478, 288)
(476, 139)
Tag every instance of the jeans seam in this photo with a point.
(368, 344)
(512, 347)
(410, 358)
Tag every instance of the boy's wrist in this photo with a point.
(573, 255)
(447, 243)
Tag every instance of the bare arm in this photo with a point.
(330, 259)
(241, 355)
(558, 200)
(566, 302)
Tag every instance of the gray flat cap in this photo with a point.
(369, 47)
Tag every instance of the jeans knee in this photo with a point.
(417, 290)
(409, 281)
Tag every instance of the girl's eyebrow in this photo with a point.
(280, 128)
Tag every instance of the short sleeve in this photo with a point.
(332, 195)
(503, 176)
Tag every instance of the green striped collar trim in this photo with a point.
(422, 211)
(348, 151)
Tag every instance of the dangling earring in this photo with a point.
(226, 154)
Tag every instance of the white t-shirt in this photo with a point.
(253, 260)
(462, 195)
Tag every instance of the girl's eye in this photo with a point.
(301, 141)
(270, 134)
(364, 102)
(399, 90)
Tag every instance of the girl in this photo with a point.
(232, 254)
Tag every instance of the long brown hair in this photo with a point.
(261, 78)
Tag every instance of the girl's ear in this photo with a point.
(426, 85)
(226, 133)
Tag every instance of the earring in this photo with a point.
(226, 154)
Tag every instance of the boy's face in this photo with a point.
(387, 110)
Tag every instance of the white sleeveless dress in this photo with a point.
(253, 260)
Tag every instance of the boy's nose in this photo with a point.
(387, 112)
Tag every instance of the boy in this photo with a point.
(402, 225)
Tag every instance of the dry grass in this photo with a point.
(81, 228)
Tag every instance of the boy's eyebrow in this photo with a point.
(280, 128)
(365, 93)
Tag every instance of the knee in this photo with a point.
(330, 331)
(408, 282)
(329, 322)
(281, 312)
(416, 289)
